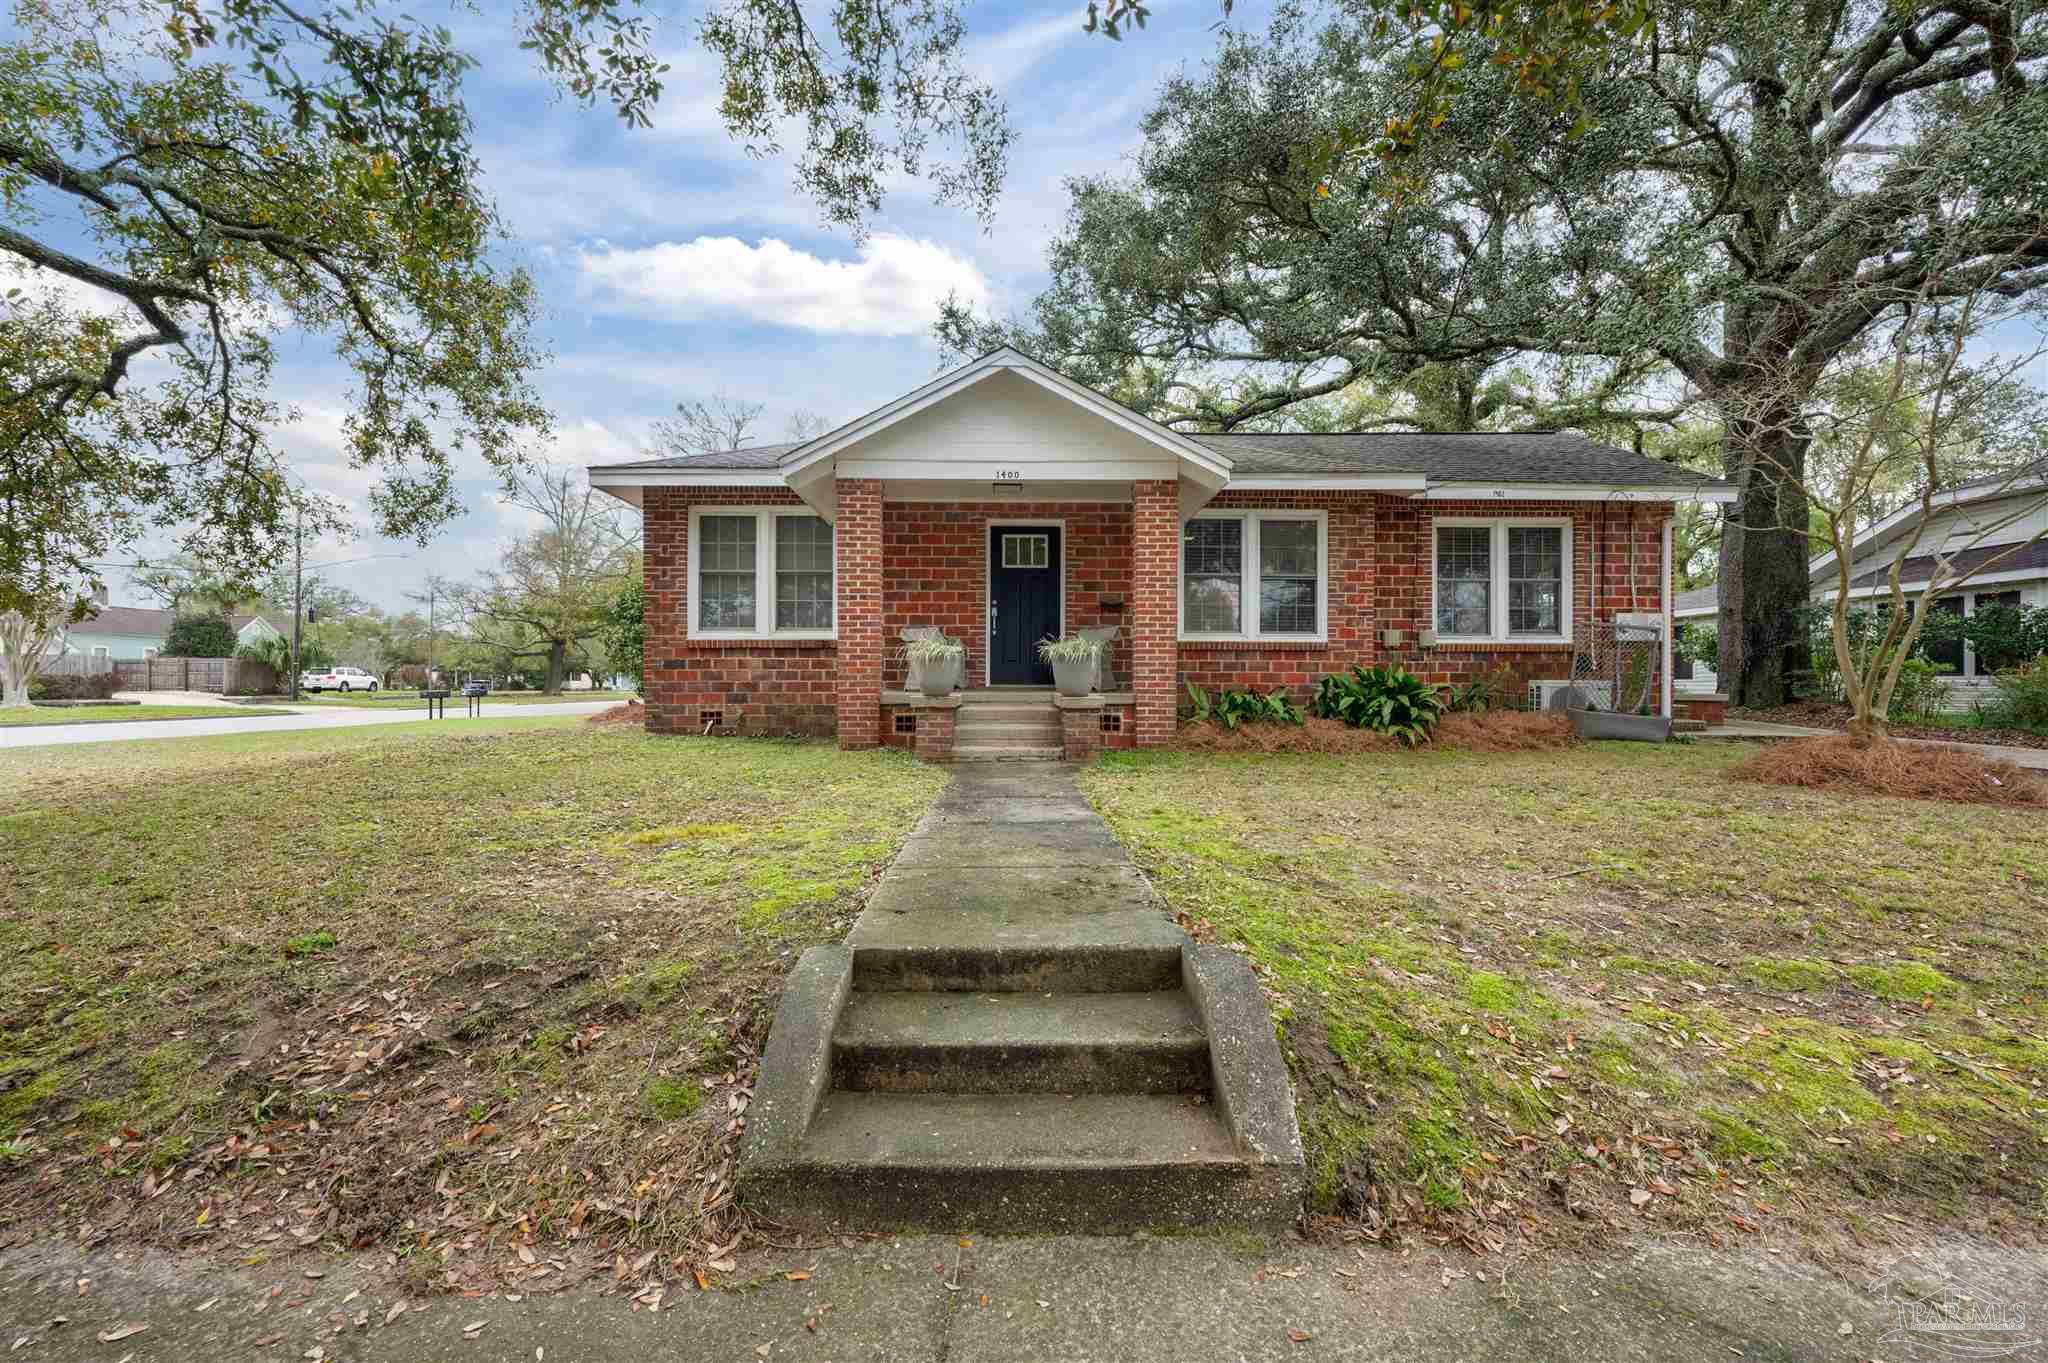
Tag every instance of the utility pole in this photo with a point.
(430, 633)
(298, 588)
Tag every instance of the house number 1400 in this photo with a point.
(1009, 475)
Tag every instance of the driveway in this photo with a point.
(43, 735)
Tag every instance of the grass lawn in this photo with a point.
(1529, 993)
(114, 714)
(496, 699)
(406, 988)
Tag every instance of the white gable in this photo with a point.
(1007, 423)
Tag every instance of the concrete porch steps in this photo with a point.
(1008, 725)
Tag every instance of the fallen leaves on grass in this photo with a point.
(1914, 771)
(628, 712)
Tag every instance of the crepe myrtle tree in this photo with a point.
(1755, 192)
(180, 180)
(1934, 409)
(28, 639)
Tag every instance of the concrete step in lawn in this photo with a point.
(1089, 1164)
(1014, 1037)
(928, 1042)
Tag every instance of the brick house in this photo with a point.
(1004, 503)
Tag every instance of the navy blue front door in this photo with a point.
(1024, 602)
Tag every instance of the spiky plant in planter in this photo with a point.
(1073, 662)
(941, 663)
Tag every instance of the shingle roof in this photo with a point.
(140, 621)
(1700, 600)
(751, 457)
(1476, 457)
(1546, 457)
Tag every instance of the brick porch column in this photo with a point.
(1155, 615)
(857, 543)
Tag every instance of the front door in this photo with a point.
(1023, 602)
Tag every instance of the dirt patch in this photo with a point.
(1821, 714)
(1496, 731)
(1920, 773)
(630, 712)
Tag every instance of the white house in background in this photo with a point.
(118, 633)
(2015, 514)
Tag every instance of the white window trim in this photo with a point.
(1498, 596)
(1248, 591)
(764, 575)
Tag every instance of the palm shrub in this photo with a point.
(1387, 699)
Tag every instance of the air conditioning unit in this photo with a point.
(1601, 693)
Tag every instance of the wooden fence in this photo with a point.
(221, 676)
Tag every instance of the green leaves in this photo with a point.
(1387, 699)
(1232, 708)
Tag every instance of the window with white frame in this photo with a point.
(1254, 575)
(1503, 580)
(760, 572)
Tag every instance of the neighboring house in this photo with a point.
(2011, 517)
(1005, 503)
(115, 633)
(252, 629)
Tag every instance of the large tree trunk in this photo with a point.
(558, 653)
(1763, 574)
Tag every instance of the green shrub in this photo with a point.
(97, 686)
(1494, 690)
(1919, 690)
(2020, 696)
(1232, 708)
(1388, 700)
(203, 635)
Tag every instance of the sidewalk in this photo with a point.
(1034, 1300)
(113, 731)
(2033, 758)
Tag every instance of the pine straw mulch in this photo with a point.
(626, 712)
(1493, 731)
(1917, 771)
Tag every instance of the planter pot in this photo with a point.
(1076, 678)
(1608, 724)
(942, 679)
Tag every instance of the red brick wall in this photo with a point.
(1155, 606)
(754, 687)
(927, 563)
(857, 539)
(935, 572)
(1380, 577)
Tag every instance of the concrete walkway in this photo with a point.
(1062, 1299)
(114, 731)
(2033, 758)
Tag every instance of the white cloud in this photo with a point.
(893, 288)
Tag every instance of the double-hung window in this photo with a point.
(1254, 575)
(760, 573)
(1503, 581)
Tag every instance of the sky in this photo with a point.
(672, 265)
